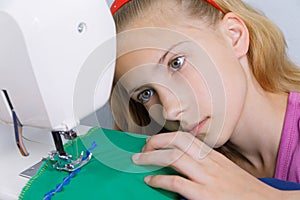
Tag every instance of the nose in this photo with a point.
(172, 107)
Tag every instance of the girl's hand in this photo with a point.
(207, 174)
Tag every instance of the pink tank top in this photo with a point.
(288, 160)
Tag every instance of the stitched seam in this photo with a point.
(288, 148)
(44, 167)
(28, 185)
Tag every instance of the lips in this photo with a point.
(197, 128)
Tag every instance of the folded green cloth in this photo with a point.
(110, 174)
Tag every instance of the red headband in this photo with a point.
(119, 3)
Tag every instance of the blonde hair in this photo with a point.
(267, 56)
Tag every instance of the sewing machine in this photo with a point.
(56, 67)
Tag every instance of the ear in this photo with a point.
(237, 33)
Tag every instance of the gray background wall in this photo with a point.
(284, 13)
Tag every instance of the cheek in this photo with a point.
(200, 95)
(204, 99)
(221, 96)
(235, 90)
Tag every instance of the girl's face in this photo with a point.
(186, 75)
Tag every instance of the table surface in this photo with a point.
(38, 143)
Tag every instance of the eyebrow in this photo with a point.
(133, 90)
(162, 59)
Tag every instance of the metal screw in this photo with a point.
(81, 27)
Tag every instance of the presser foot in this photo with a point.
(65, 162)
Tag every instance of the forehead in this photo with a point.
(148, 38)
(161, 33)
(137, 58)
(144, 45)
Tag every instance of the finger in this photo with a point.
(177, 184)
(176, 159)
(181, 140)
(168, 140)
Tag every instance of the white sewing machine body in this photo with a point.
(43, 47)
(56, 67)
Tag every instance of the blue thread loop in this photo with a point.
(67, 179)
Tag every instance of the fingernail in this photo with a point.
(147, 179)
(143, 149)
(136, 156)
(147, 139)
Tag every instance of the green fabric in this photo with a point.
(109, 175)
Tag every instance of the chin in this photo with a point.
(211, 141)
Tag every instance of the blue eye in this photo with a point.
(177, 63)
(145, 96)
